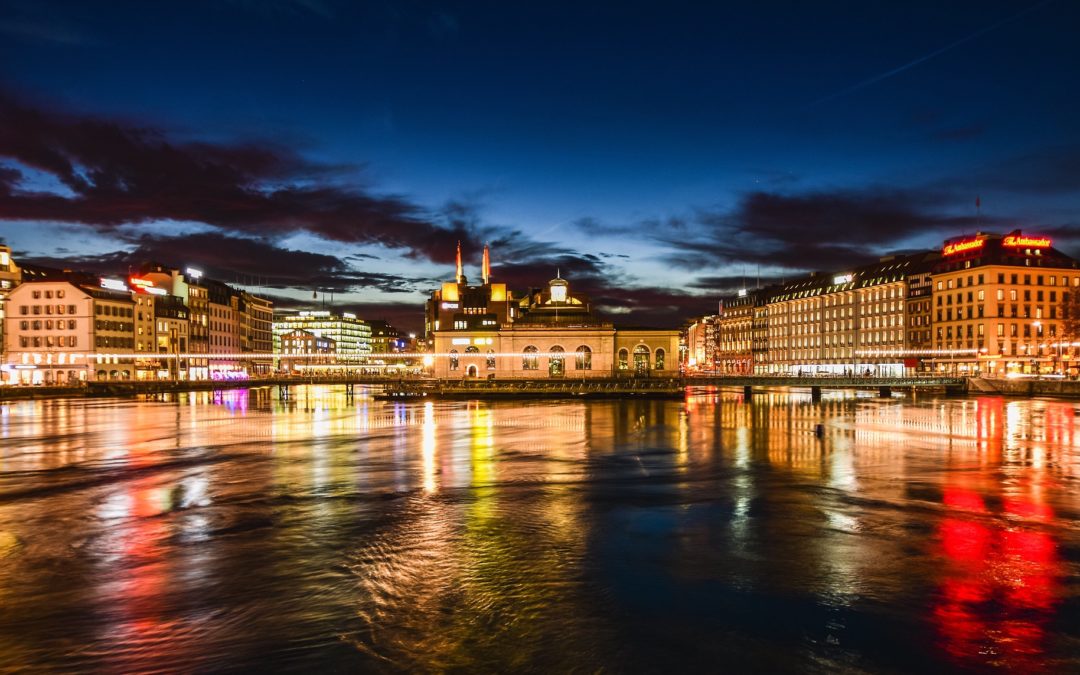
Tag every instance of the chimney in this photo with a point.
(460, 273)
(486, 270)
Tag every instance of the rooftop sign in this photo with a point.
(1018, 241)
(955, 247)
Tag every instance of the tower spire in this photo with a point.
(460, 273)
(485, 271)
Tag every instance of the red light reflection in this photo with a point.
(1000, 581)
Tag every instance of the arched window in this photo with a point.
(472, 349)
(556, 362)
(623, 358)
(454, 359)
(641, 359)
(529, 361)
(659, 360)
(584, 358)
(491, 359)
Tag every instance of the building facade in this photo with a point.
(351, 336)
(60, 332)
(997, 306)
(457, 305)
(556, 336)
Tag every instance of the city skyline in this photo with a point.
(322, 147)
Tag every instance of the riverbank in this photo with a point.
(397, 389)
(1025, 388)
(523, 389)
(121, 389)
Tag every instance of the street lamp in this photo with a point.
(1038, 350)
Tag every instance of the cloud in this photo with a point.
(808, 230)
(240, 261)
(120, 173)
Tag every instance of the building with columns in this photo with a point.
(552, 333)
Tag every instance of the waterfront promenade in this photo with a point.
(416, 387)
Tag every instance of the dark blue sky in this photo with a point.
(656, 152)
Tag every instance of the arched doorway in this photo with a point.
(556, 362)
(471, 370)
(641, 360)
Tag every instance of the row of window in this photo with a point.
(48, 294)
(26, 310)
(113, 310)
(48, 341)
(48, 324)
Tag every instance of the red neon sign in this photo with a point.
(146, 286)
(1016, 241)
(961, 246)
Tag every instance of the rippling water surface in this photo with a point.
(238, 531)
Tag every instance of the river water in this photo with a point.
(238, 531)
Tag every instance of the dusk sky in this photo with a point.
(658, 154)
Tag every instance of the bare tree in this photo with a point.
(1070, 314)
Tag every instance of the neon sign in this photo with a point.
(961, 246)
(841, 279)
(146, 286)
(114, 285)
(1016, 241)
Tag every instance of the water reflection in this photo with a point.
(240, 529)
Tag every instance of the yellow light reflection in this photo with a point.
(428, 448)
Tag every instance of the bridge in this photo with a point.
(884, 385)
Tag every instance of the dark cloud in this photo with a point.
(808, 230)
(119, 173)
(240, 261)
(730, 284)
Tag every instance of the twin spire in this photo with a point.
(485, 270)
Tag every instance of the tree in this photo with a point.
(1070, 315)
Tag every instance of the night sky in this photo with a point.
(658, 154)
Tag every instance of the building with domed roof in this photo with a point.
(552, 332)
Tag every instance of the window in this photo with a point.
(624, 357)
(529, 361)
(454, 364)
(659, 361)
(584, 358)
(490, 359)
(641, 359)
(472, 349)
(556, 362)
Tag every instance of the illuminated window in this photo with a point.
(453, 359)
(529, 361)
(491, 359)
(584, 358)
(556, 362)
(624, 357)
(659, 359)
